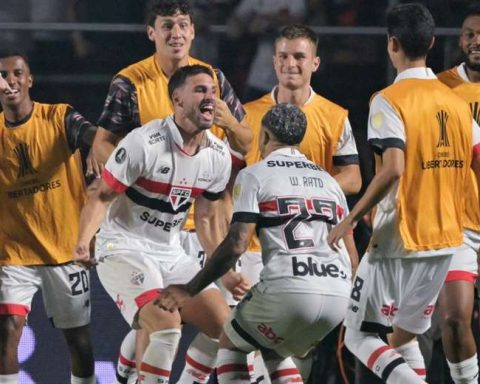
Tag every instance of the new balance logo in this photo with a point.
(311, 268)
(23, 156)
(442, 118)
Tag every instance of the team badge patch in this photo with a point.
(179, 196)
(121, 155)
(137, 278)
(377, 120)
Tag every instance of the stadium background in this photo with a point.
(76, 46)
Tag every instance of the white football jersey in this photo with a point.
(159, 182)
(294, 204)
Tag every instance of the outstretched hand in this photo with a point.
(338, 232)
(172, 297)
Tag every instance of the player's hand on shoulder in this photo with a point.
(94, 166)
(82, 255)
(236, 283)
(223, 116)
(172, 297)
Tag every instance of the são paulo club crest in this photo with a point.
(179, 196)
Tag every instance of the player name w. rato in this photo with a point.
(31, 190)
(445, 163)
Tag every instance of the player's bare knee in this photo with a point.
(78, 339)
(455, 322)
(153, 318)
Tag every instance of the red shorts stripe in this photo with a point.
(154, 370)
(14, 309)
(461, 276)
(284, 372)
(376, 354)
(227, 368)
(420, 371)
(129, 363)
(147, 296)
(197, 365)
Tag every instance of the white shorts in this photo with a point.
(399, 292)
(65, 291)
(134, 279)
(252, 265)
(193, 248)
(464, 266)
(288, 323)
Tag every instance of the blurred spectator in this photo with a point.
(14, 11)
(260, 19)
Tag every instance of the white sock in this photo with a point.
(414, 358)
(200, 360)
(158, 358)
(9, 379)
(283, 371)
(232, 367)
(83, 380)
(260, 373)
(380, 358)
(464, 372)
(304, 365)
(126, 366)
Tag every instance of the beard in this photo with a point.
(473, 66)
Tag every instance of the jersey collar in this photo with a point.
(423, 73)
(462, 72)
(273, 95)
(286, 151)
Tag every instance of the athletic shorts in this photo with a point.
(400, 292)
(193, 248)
(134, 279)
(464, 266)
(65, 291)
(288, 323)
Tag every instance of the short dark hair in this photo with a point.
(298, 31)
(183, 73)
(4, 53)
(167, 8)
(286, 122)
(413, 26)
(472, 10)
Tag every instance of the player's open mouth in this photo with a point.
(207, 109)
(12, 93)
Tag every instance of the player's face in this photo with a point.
(197, 100)
(470, 42)
(294, 62)
(172, 35)
(17, 74)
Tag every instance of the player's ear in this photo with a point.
(150, 33)
(316, 63)
(176, 100)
